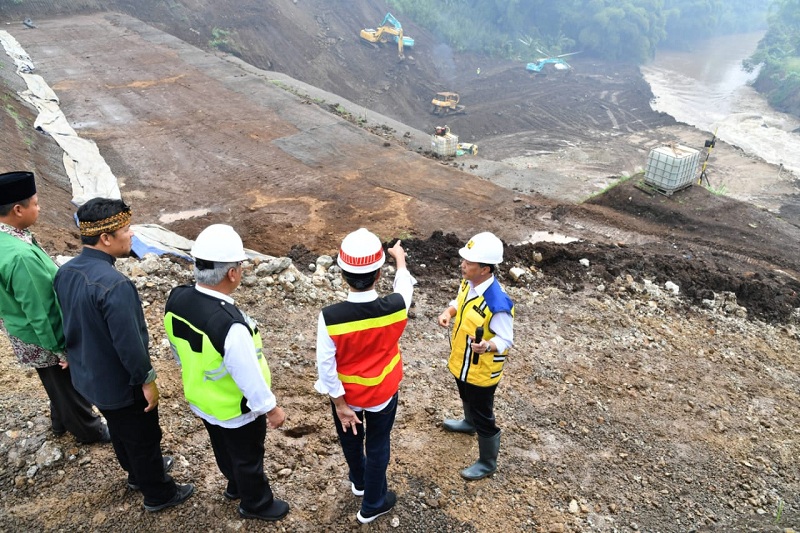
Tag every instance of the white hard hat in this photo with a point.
(483, 248)
(361, 252)
(219, 243)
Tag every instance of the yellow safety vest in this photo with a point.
(471, 314)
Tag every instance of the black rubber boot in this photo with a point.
(460, 426)
(487, 463)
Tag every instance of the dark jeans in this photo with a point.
(240, 457)
(368, 464)
(136, 437)
(480, 401)
(69, 411)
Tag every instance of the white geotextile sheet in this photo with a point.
(89, 174)
(157, 239)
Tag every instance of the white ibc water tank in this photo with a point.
(444, 145)
(671, 168)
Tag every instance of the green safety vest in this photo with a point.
(196, 325)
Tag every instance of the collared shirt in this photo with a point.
(105, 330)
(241, 362)
(329, 382)
(23, 234)
(502, 323)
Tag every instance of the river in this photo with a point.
(707, 88)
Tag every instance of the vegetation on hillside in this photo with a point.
(628, 30)
(778, 55)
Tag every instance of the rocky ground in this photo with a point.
(625, 407)
(654, 382)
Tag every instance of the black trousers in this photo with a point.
(69, 411)
(480, 401)
(136, 437)
(240, 457)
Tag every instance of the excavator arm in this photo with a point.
(389, 26)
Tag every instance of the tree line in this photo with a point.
(620, 30)
(778, 57)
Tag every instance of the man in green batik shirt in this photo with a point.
(29, 312)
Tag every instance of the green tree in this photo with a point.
(627, 30)
(778, 56)
(613, 29)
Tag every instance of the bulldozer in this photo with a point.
(390, 27)
(446, 103)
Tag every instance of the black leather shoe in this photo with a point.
(277, 510)
(182, 494)
(105, 436)
(168, 462)
(388, 503)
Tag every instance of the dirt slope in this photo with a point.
(223, 142)
(317, 41)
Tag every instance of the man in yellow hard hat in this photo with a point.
(482, 319)
(360, 367)
(226, 379)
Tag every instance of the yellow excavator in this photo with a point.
(389, 27)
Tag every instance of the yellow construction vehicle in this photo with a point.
(446, 104)
(466, 148)
(389, 27)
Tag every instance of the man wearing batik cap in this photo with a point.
(29, 311)
(108, 349)
(360, 368)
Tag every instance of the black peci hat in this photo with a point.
(16, 186)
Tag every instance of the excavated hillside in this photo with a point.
(625, 406)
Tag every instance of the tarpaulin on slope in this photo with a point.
(155, 239)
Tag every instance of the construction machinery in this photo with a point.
(389, 29)
(446, 103)
(466, 149)
(553, 62)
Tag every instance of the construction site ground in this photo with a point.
(624, 407)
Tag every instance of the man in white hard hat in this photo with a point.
(108, 350)
(360, 367)
(477, 364)
(226, 379)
